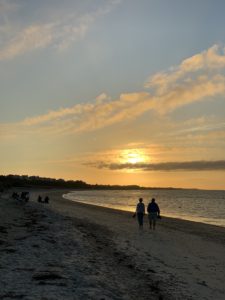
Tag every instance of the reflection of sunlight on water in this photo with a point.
(119, 207)
(194, 205)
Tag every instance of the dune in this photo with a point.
(69, 250)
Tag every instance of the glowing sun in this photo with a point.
(133, 156)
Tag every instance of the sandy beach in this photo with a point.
(67, 250)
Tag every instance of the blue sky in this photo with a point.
(117, 53)
(63, 62)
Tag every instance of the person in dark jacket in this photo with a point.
(153, 213)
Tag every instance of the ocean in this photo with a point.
(205, 206)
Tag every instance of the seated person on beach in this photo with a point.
(15, 195)
(25, 196)
(153, 213)
(46, 199)
(39, 199)
(140, 211)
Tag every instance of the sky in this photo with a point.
(114, 91)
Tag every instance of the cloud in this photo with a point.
(58, 34)
(84, 117)
(194, 90)
(165, 166)
(104, 111)
(7, 6)
(101, 98)
(205, 62)
(99, 114)
(202, 128)
(33, 37)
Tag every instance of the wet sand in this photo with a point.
(67, 250)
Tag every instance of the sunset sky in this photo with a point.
(114, 91)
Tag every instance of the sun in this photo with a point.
(132, 156)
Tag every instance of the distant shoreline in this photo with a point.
(120, 188)
(25, 181)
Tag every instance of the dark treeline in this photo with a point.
(36, 181)
(8, 181)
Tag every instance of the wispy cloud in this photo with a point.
(194, 90)
(58, 34)
(7, 6)
(99, 114)
(169, 95)
(205, 62)
(165, 166)
(208, 127)
(33, 37)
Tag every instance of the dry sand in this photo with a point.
(67, 250)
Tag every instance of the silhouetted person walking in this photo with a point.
(153, 213)
(140, 211)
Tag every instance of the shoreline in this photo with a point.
(168, 219)
(62, 191)
(212, 217)
(216, 232)
(78, 244)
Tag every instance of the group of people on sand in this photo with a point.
(24, 196)
(153, 213)
(45, 200)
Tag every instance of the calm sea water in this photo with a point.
(195, 205)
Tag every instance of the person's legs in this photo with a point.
(150, 221)
(154, 222)
(140, 220)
